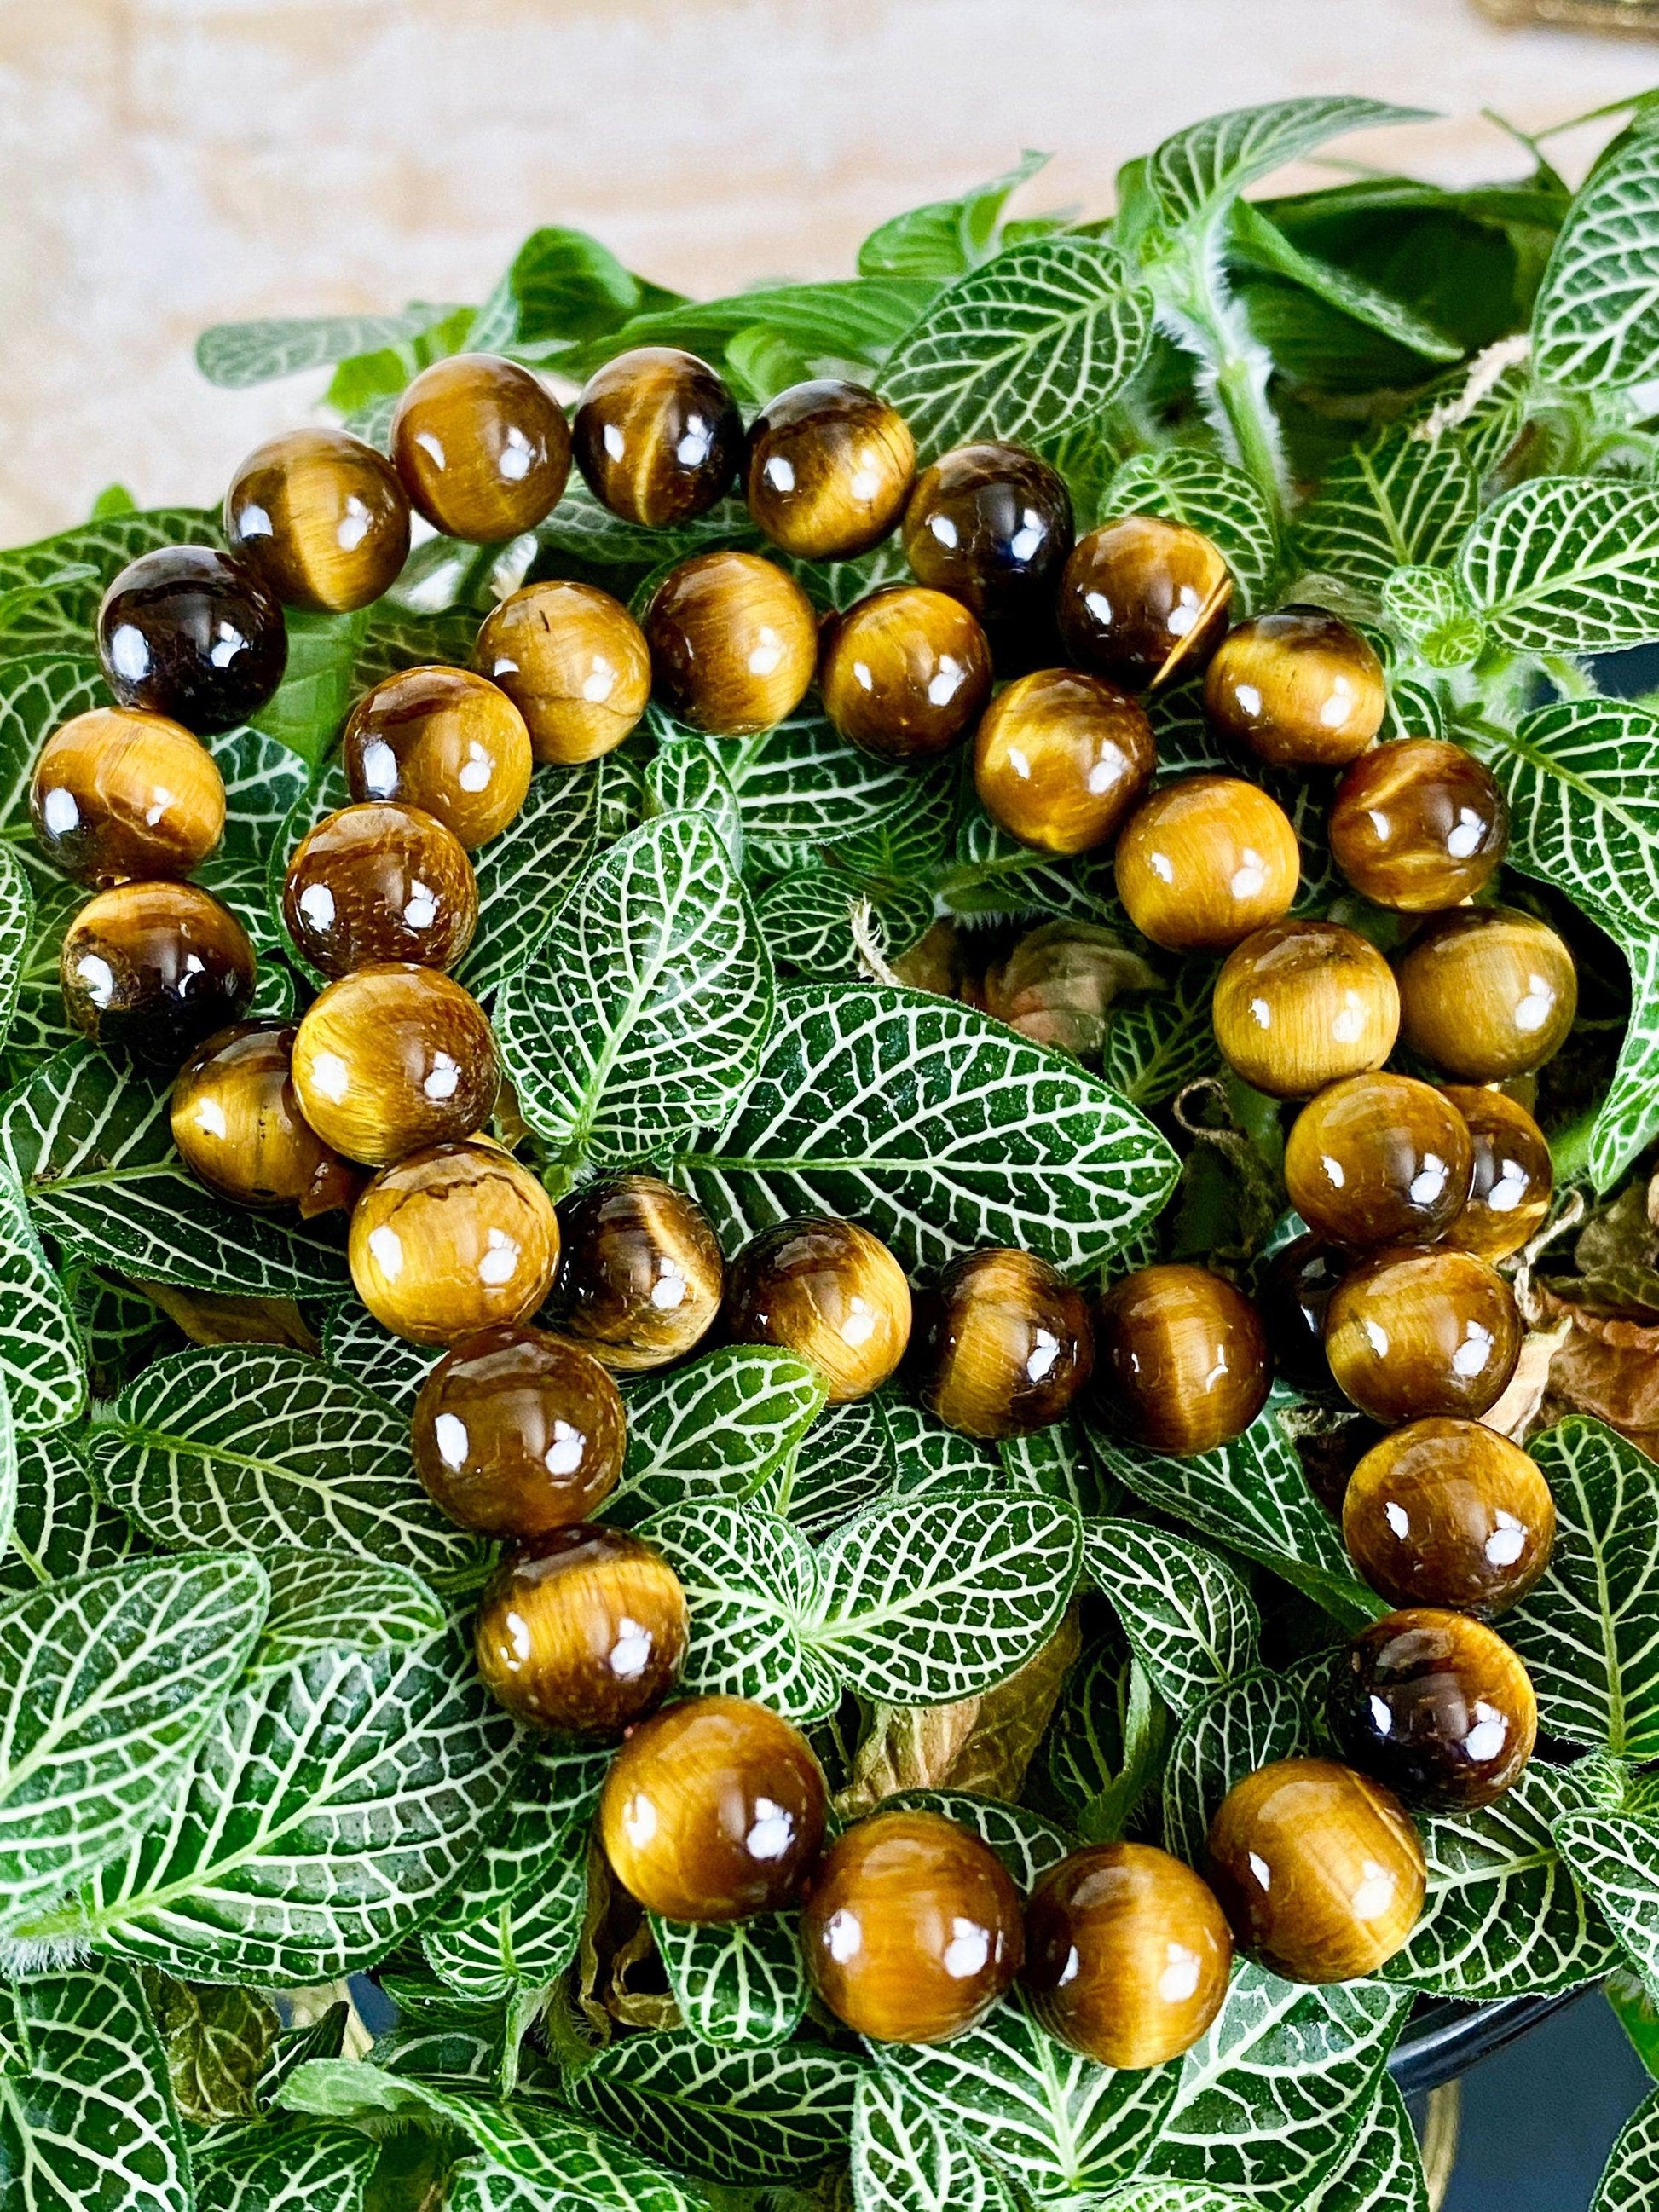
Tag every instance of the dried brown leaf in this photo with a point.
(207, 1318)
(1057, 985)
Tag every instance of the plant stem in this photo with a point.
(1569, 1149)
(1240, 389)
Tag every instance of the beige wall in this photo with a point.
(167, 163)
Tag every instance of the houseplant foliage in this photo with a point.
(243, 1752)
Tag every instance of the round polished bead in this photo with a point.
(452, 1240)
(1059, 758)
(1143, 601)
(1003, 1344)
(657, 436)
(829, 1291)
(1437, 1707)
(733, 642)
(912, 1929)
(991, 525)
(581, 1629)
(1204, 861)
(1378, 1160)
(118, 794)
(1418, 826)
(1299, 689)
(1127, 1955)
(445, 740)
(640, 1274)
(905, 673)
(1318, 1868)
(574, 663)
(379, 882)
(1302, 1004)
(1486, 994)
(1183, 1364)
(322, 517)
(1513, 1177)
(1448, 1513)
(713, 1811)
(828, 469)
(237, 1123)
(1415, 1331)
(191, 632)
(1296, 1287)
(151, 969)
(482, 448)
(389, 1060)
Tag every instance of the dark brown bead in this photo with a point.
(574, 663)
(445, 740)
(1378, 1160)
(1059, 758)
(657, 436)
(1486, 994)
(118, 794)
(991, 525)
(912, 1929)
(322, 517)
(1003, 1344)
(1297, 1284)
(1418, 826)
(1449, 1513)
(452, 1240)
(1299, 689)
(1437, 1707)
(582, 1629)
(713, 1811)
(733, 642)
(905, 673)
(482, 448)
(190, 632)
(379, 882)
(1318, 1868)
(1302, 1004)
(1143, 601)
(829, 1291)
(237, 1123)
(1183, 1359)
(828, 467)
(1415, 1331)
(1513, 1177)
(151, 969)
(1204, 861)
(641, 1272)
(389, 1060)
(1127, 1955)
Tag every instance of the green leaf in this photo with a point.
(290, 2169)
(1394, 501)
(61, 1526)
(323, 1603)
(801, 787)
(849, 320)
(263, 782)
(753, 1586)
(739, 1984)
(16, 932)
(929, 1456)
(807, 919)
(1197, 174)
(1383, 2172)
(905, 2159)
(387, 1366)
(715, 1430)
(1429, 611)
(217, 2043)
(1187, 483)
(1159, 1041)
(40, 1367)
(1234, 1732)
(687, 777)
(526, 873)
(843, 1464)
(1566, 564)
(1189, 1620)
(238, 354)
(75, 566)
(1615, 1858)
(1107, 1742)
(312, 701)
(1257, 242)
(1595, 321)
(561, 284)
(515, 1918)
(1026, 1842)
(1631, 2176)
(945, 237)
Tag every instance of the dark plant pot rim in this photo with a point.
(1447, 2037)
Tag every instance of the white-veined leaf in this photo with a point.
(1426, 606)
(289, 2169)
(1614, 1857)
(1107, 1744)
(927, 1454)
(905, 2159)
(843, 1464)
(1394, 501)
(526, 873)
(60, 1526)
(1234, 1732)
(1383, 2172)
(687, 776)
(16, 931)
(1189, 1619)
(1189, 485)
(751, 1582)
(325, 1602)
(217, 2044)
(40, 1368)
(238, 354)
(801, 786)
(1158, 1042)
(1566, 564)
(945, 236)
(263, 782)
(514, 1920)
(1630, 2180)
(716, 1430)
(739, 1984)
(1595, 320)
(1026, 1842)
(808, 920)
(1198, 173)
(73, 568)
(387, 1366)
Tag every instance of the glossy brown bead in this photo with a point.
(379, 882)
(829, 1291)
(452, 1240)
(828, 469)
(389, 1060)
(1003, 1344)
(713, 1811)
(322, 517)
(1318, 1868)
(482, 448)
(151, 969)
(1418, 826)
(640, 1274)
(1513, 1180)
(581, 1629)
(1486, 994)
(118, 794)
(657, 436)
(905, 673)
(1127, 1955)
(912, 1929)
(574, 663)
(1415, 1331)
(1296, 1287)
(1205, 860)
(1300, 689)
(733, 642)
(192, 632)
(1302, 1004)
(1059, 758)
(236, 1120)
(1143, 601)
(1182, 1358)
(1379, 1159)
(445, 740)
(1448, 1513)
(991, 525)
(1437, 1707)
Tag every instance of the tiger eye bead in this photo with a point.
(118, 794)
(733, 642)
(581, 1629)
(1143, 601)
(1437, 1707)
(190, 632)
(1060, 757)
(379, 882)
(1486, 994)
(322, 518)
(445, 740)
(390, 1058)
(991, 525)
(905, 673)
(1302, 1004)
(1513, 1177)
(1296, 1289)
(452, 1240)
(829, 1291)
(1183, 1359)
(828, 469)
(574, 663)
(657, 436)
(150, 970)
(640, 1274)
(1448, 1513)
(1204, 861)
(1127, 1955)
(1415, 1331)
(482, 448)
(1318, 1868)
(1003, 1344)
(236, 1120)
(713, 1811)
(1299, 689)
(1378, 1160)
(912, 1929)
(1418, 826)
